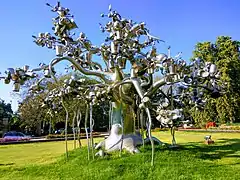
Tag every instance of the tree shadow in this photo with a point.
(222, 148)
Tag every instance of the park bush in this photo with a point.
(225, 127)
(211, 124)
(230, 128)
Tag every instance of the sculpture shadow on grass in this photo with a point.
(222, 148)
(6, 164)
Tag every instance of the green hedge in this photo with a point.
(226, 128)
(160, 129)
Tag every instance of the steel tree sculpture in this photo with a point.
(133, 95)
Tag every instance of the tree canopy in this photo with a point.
(225, 53)
(5, 112)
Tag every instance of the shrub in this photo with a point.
(210, 124)
(230, 128)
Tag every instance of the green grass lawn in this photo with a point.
(193, 160)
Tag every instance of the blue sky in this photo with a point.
(180, 23)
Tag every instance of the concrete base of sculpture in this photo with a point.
(116, 142)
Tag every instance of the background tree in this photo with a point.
(226, 55)
(5, 112)
(32, 113)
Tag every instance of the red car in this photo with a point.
(15, 136)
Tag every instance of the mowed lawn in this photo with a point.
(34, 153)
(192, 160)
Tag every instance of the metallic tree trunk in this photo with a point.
(123, 113)
(129, 118)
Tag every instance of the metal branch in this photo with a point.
(100, 74)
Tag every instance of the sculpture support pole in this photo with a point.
(150, 133)
(172, 107)
(91, 129)
(122, 124)
(140, 93)
(134, 123)
(86, 118)
(73, 129)
(79, 118)
(110, 116)
(66, 125)
(142, 129)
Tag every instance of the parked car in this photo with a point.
(70, 130)
(15, 136)
(59, 131)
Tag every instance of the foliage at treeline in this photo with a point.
(5, 112)
(225, 53)
(5, 109)
(226, 109)
(33, 114)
